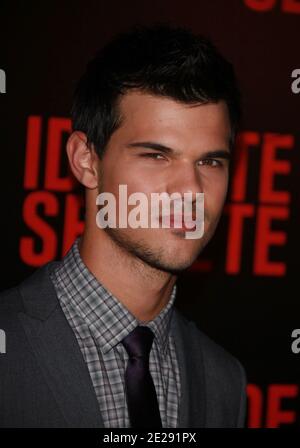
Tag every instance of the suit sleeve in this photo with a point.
(241, 421)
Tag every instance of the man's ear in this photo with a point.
(82, 159)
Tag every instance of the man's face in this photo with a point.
(190, 132)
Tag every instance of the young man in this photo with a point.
(94, 340)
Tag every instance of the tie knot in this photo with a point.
(138, 343)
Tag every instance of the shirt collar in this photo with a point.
(108, 319)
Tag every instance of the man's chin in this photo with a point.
(175, 269)
(163, 259)
(171, 266)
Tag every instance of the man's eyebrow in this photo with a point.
(218, 153)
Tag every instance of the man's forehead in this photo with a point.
(136, 105)
(135, 100)
(147, 116)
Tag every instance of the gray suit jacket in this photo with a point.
(44, 381)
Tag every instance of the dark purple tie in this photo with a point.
(139, 387)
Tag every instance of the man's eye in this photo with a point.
(212, 162)
(152, 155)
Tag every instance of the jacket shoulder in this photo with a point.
(34, 295)
(225, 376)
(10, 301)
(220, 364)
(213, 352)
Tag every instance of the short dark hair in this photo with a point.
(161, 59)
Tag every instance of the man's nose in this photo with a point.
(185, 178)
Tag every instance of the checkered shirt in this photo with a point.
(100, 322)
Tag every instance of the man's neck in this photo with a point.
(142, 289)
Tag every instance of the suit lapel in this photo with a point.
(57, 351)
(191, 368)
